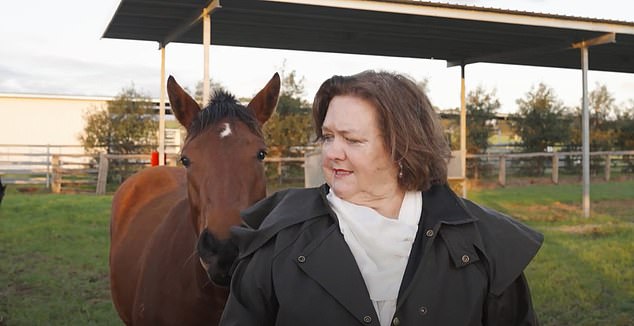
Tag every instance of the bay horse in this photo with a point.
(2, 190)
(170, 250)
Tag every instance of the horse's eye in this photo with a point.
(261, 155)
(185, 161)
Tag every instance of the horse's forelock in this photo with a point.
(223, 105)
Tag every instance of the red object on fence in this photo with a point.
(154, 159)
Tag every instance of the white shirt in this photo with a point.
(380, 246)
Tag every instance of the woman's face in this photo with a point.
(355, 162)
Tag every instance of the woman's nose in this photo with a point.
(333, 150)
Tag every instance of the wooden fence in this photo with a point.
(80, 173)
(34, 167)
(61, 168)
(138, 161)
(607, 162)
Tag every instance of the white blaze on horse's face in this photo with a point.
(226, 131)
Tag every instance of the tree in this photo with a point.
(540, 122)
(603, 127)
(423, 85)
(126, 126)
(288, 131)
(290, 126)
(198, 94)
(602, 110)
(481, 108)
(624, 126)
(450, 120)
(291, 101)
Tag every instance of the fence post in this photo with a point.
(502, 173)
(102, 176)
(608, 163)
(48, 166)
(56, 184)
(172, 161)
(279, 171)
(555, 169)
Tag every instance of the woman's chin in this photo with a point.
(340, 192)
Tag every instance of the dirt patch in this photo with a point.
(581, 229)
(596, 230)
(621, 209)
(556, 211)
(521, 181)
(28, 190)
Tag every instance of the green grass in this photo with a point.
(53, 260)
(584, 273)
(54, 253)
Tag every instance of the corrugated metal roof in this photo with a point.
(514, 11)
(402, 28)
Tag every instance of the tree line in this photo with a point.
(129, 124)
(542, 122)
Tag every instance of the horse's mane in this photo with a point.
(223, 105)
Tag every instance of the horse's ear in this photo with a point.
(264, 103)
(184, 107)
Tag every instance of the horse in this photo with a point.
(2, 190)
(170, 248)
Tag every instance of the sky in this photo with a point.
(55, 47)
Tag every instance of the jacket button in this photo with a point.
(301, 259)
(396, 321)
(422, 310)
(367, 319)
(465, 259)
(429, 233)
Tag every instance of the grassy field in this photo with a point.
(584, 273)
(54, 252)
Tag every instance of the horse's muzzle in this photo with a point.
(217, 256)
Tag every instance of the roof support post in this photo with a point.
(206, 47)
(206, 17)
(585, 132)
(463, 132)
(161, 149)
(585, 116)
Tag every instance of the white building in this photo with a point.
(57, 120)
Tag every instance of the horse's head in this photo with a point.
(223, 154)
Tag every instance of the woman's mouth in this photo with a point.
(341, 172)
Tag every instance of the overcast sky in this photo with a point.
(55, 47)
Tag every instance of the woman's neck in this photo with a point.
(388, 205)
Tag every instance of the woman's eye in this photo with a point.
(185, 161)
(261, 155)
(327, 138)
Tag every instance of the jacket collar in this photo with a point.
(442, 205)
(293, 206)
(283, 209)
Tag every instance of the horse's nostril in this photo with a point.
(207, 244)
(218, 255)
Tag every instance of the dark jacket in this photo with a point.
(295, 268)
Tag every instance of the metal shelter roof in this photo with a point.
(416, 29)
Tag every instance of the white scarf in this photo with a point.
(380, 246)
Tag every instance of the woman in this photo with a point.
(385, 241)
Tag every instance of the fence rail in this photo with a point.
(74, 172)
(606, 163)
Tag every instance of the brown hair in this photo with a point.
(411, 130)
